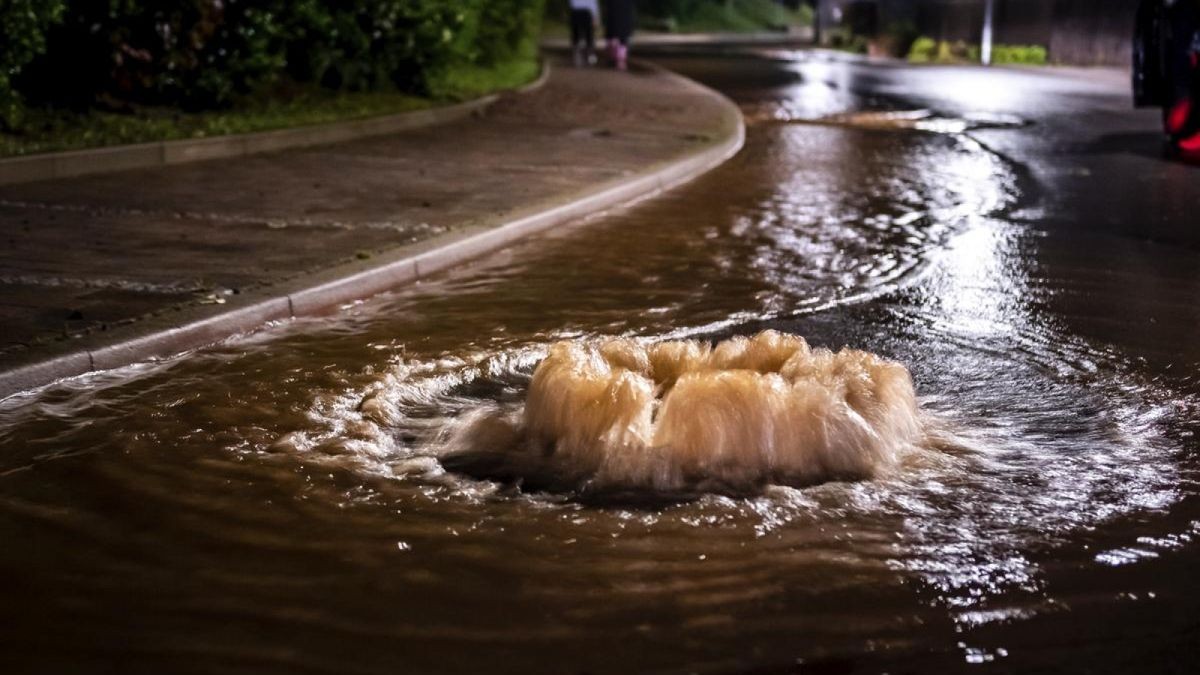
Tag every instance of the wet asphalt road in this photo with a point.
(276, 503)
(1116, 262)
(1091, 171)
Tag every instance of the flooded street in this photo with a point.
(276, 503)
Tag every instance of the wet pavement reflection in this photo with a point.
(275, 503)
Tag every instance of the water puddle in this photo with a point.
(886, 120)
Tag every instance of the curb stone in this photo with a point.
(90, 161)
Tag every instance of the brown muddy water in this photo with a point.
(277, 504)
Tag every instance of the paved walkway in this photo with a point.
(84, 258)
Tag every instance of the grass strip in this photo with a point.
(53, 130)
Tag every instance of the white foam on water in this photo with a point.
(627, 414)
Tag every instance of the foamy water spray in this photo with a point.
(687, 416)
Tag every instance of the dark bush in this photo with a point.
(192, 53)
(504, 26)
(370, 44)
(200, 54)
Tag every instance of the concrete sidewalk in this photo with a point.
(90, 264)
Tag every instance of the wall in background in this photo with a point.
(1075, 32)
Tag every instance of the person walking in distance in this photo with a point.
(585, 14)
(618, 28)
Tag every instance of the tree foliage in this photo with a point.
(23, 25)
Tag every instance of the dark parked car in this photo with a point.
(1166, 69)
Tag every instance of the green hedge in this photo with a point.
(206, 54)
(1029, 55)
(928, 50)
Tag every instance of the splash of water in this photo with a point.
(684, 416)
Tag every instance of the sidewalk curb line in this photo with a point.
(90, 161)
(538, 82)
(320, 298)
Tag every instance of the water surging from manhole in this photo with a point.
(685, 416)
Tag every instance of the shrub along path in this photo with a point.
(85, 259)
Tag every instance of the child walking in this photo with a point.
(584, 17)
